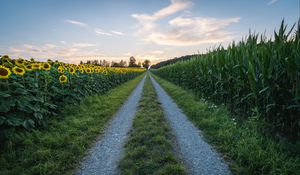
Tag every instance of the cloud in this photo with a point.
(16, 50)
(176, 6)
(272, 2)
(49, 50)
(28, 46)
(100, 32)
(182, 31)
(117, 33)
(50, 46)
(75, 22)
(83, 45)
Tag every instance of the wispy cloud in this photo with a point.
(100, 32)
(83, 45)
(272, 2)
(49, 50)
(182, 31)
(51, 46)
(176, 6)
(76, 22)
(117, 33)
(28, 46)
(15, 50)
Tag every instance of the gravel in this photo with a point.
(199, 156)
(103, 158)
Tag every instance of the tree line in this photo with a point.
(131, 63)
(172, 61)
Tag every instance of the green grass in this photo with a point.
(248, 151)
(149, 148)
(58, 148)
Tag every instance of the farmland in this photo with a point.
(32, 92)
(91, 88)
(255, 77)
(246, 100)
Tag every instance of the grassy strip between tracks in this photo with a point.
(241, 144)
(58, 148)
(149, 148)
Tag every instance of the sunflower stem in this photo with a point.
(7, 84)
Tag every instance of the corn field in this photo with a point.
(256, 77)
(32, 91)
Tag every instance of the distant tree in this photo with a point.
(105, 63)
(146, 64)
(172, 61)
(122, 63)
(95, 62)
(115, 64)
(132, 62)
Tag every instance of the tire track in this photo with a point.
(103, 158)
(199, 156)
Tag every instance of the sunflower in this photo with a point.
(4, 72)
(81, 71)
(97, 70)
(61, 69)
(63, 79)
(36, 66)
(28, 67)
(92, 70)
(18, 70)
(88, 70)
(5, 59)
(72, 70)
(50, 61)
(19, 62)
(55, 62)
(46, 66)
(82, 66)
(78, 67)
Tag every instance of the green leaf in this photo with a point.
(38, 115)
(14, 121)
(4, 107)
(4, 95)
(29, 124)
(17, 85)
(293, 107)
(2, 120)
(264, 90)
(21, 91)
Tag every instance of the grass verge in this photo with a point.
(149, 148)
(58, 148)
(248, 151)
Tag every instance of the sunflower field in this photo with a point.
(256, 77)
(32, 91)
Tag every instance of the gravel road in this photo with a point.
(105, 155)
(199, 156)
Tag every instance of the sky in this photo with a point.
(74, 30)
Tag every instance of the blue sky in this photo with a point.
(73, 30)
